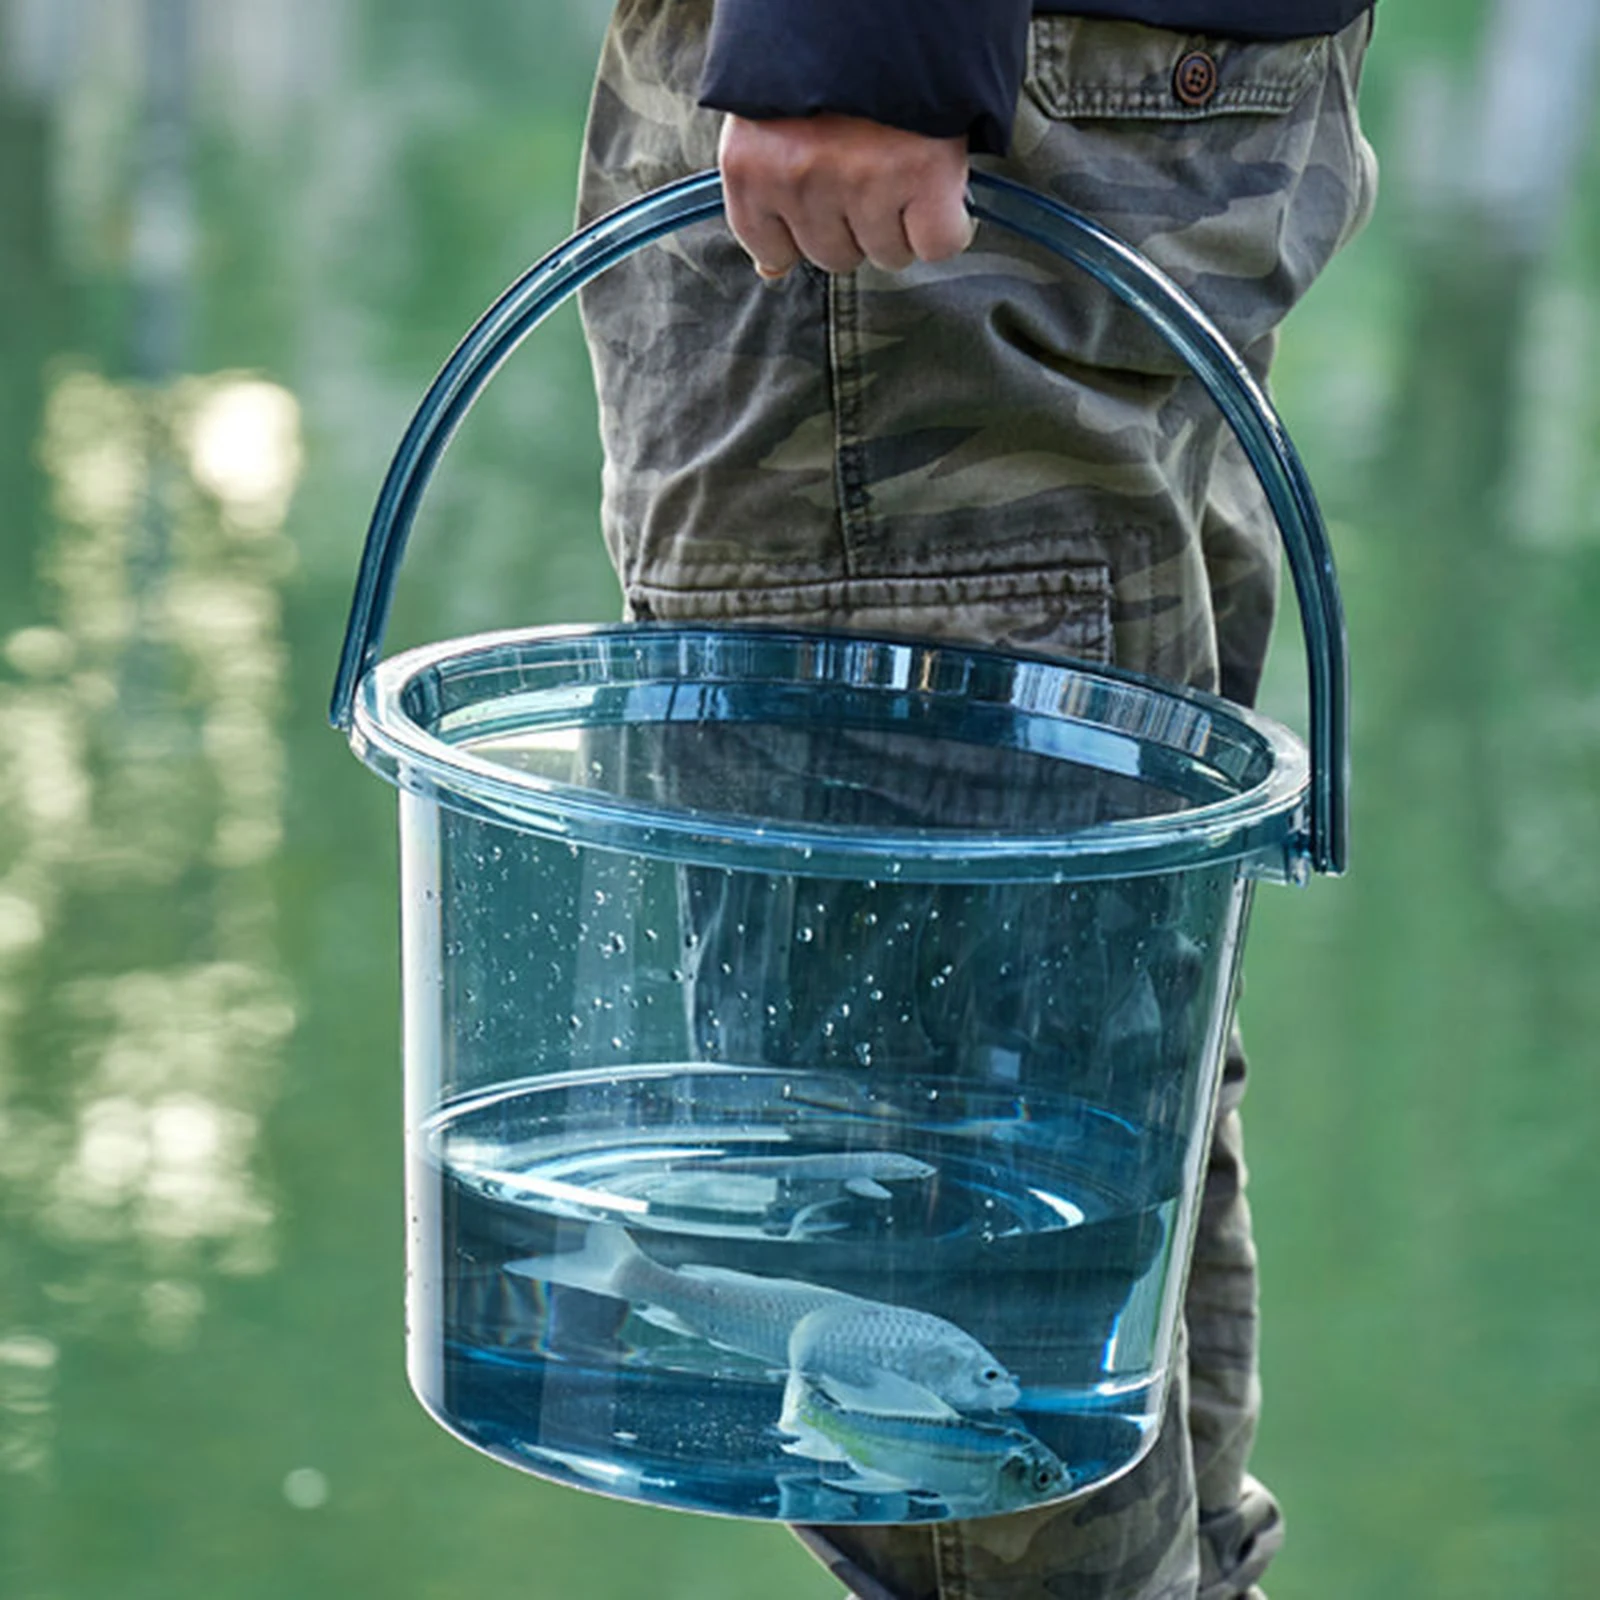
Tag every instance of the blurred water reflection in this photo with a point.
(235, 238)
(142, 770)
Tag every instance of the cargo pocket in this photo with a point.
(1238, 167)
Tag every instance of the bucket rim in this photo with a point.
(1262, 826)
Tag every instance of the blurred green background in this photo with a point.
(236, 237)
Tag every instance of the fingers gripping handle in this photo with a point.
(1033, 216)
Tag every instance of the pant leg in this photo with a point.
(984, 450)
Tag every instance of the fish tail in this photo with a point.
(605, 1263)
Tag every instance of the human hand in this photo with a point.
(838, 190)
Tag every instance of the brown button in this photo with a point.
(1194, 80)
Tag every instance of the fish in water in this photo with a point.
(867, 1354)
(975, 1467)
(863, 1173)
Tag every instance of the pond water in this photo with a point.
(235, 240)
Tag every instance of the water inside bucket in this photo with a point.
(1009, 1221)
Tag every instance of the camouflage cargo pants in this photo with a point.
(987, 450)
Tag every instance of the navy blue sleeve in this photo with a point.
(940, 67)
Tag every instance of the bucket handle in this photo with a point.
(1102, 255)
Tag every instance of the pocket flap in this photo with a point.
(1080, 67)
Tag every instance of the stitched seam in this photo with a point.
(1087, 579)
(1107, 100)
(949, 1560)
(850, 467)
(716, 571)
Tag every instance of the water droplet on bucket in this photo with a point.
(805, 935)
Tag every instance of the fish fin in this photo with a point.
(658, 1317)
(886, 1394)
(805, 1225)
(865, 1481)
(867, 1189)
(597, 1266)
(810, 1444)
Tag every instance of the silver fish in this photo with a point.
(869, 1354)
(974, 1467)
(860, 1172)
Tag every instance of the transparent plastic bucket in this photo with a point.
(811, 1041)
